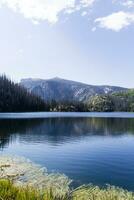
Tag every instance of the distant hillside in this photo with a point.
(127, 99)
(120, 101)
(15, 98)
(64, 90)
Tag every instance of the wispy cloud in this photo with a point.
(87, 3)
(19, 53)
(128, 3)
(40, 10)
(116, 21)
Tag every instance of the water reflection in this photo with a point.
(96, 150)
(57, 130)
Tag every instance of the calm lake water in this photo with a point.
(93, 148)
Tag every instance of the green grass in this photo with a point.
(8, 191)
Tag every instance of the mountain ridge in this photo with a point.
(63, 79)
(60, 89)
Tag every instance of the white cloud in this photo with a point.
(20, 52)
(84, 13)
(50, 10)
(86, 3)
(93, 29)
(116, 21)
(128, 3)
(40, 10)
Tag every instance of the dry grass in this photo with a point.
(95, 193)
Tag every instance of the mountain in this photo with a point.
(65, 90)
(15, 98)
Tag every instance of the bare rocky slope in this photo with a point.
(65, 90)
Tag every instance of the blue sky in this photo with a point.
(84, 40)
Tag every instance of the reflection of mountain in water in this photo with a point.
(57, 130)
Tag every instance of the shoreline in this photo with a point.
(20, 179)
(41, 115)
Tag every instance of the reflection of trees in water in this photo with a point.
(57, 130)
(10, 128)
(112, 126)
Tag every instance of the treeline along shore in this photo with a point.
(16, 98)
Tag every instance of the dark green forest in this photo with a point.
(15, 98)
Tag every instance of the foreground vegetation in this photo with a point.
(20, 179)
(8, 191)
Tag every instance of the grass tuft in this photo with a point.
(95, 193)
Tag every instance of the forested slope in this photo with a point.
(15, 98)
(120, 101)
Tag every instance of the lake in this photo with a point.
(95, 148)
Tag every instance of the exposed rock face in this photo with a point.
(65, 90)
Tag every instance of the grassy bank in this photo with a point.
(20, 179)
(8, 191)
